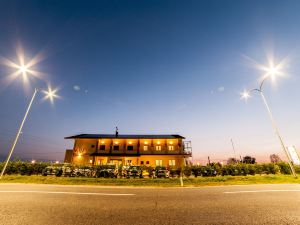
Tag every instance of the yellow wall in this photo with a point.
(84, 147)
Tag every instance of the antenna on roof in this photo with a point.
(117, 132)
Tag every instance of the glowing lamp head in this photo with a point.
(33, 161)
(56, 162)
(50, 94)
(23, 69)
(245, 95)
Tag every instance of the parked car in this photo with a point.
(58, 171)
(162, 172)
(110, 171)
(133, 171)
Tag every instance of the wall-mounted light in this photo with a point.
(91, 161)
(145, 142)
(102, 142)
(56, 162)
(33, 161)
(130, 142)
(158, 142)
(116, 142)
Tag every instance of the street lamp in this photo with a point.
(271, 72)
(24, 70)
(49, 94)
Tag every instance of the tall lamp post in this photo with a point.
(271, 73)
(49, 94)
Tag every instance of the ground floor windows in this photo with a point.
(146, 148)
(142, 162)
(172, 162)
(158, 148)
(158, 162)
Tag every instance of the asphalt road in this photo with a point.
(52, 204)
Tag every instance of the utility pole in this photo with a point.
(233, 150)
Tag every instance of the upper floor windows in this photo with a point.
(102, 147)
(145, 147)
(130, 147)
(116, 147)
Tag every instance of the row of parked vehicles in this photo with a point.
(109, 171)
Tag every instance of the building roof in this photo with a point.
(125, 136)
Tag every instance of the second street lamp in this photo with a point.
(272, 72)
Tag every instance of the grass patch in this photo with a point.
(171, 182)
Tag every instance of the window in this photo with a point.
(158, 162)
(128, 162)
(116, 147)
(130, 147)
(172, 162)
(92, 146)
(147, 162)
(145, 147)
(102, 147)
(142, 162)
(171, 147)
(158, 148)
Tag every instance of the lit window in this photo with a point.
(172, 162)
(158, 148)
(91, 161)
(146, 148)
(158, 162)
(171, 148)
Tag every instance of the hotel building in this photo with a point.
(141, 150)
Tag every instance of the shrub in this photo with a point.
(284, 168)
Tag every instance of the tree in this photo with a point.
(231, 161)
(275, 158)
(249, 160)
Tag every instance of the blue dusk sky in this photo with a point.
(151, 67)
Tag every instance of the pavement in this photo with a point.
(54, 204)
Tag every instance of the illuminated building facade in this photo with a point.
(142, 150)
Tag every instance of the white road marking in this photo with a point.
(259, 191)
(68, 193)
